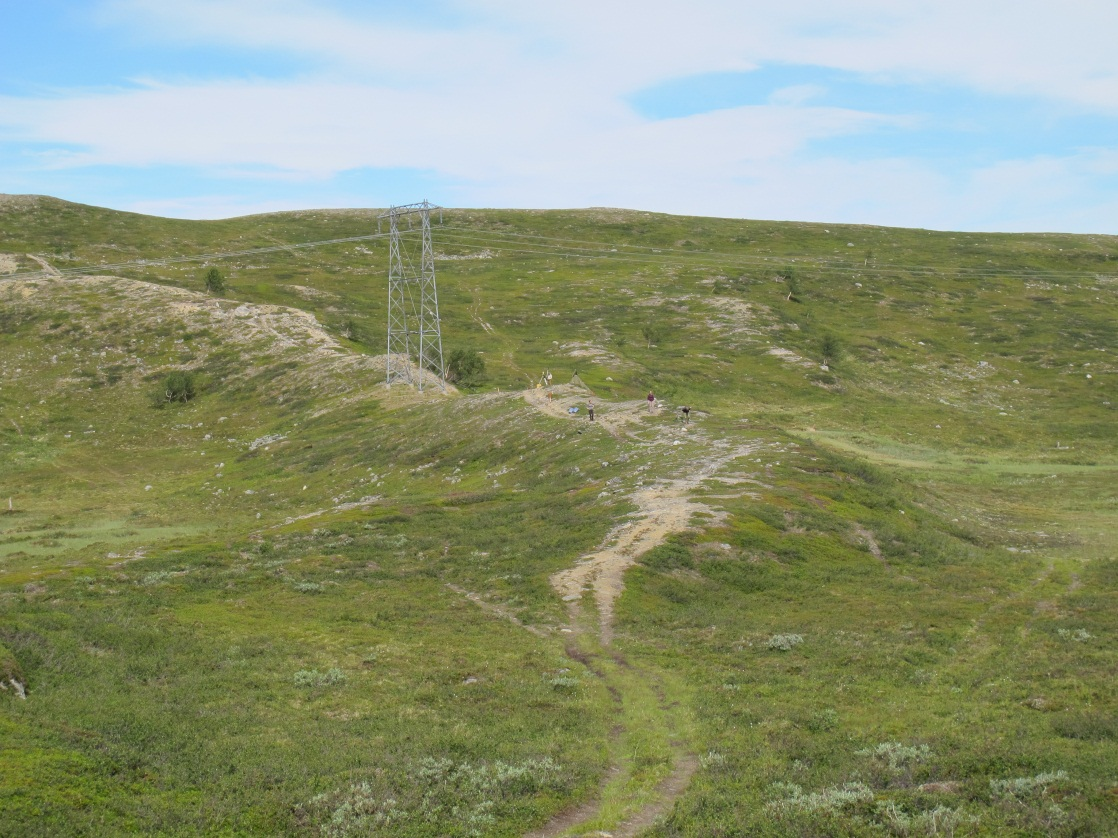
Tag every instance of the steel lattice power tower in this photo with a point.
(415, 341)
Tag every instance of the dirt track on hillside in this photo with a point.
(615, 417)
(662, 509)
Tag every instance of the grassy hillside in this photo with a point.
(874, 596)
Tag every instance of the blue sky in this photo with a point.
(948, 115)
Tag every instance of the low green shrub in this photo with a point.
(177, 387)
(1087, 726)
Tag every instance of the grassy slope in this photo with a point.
(950, 569)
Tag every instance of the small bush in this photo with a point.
(1079, 635)
(1087, 726)
(668, 556)
(822, 721)
(712, 760)
(788, 276)
(12, 680)
(465, 367)
(831, 349)
(652, 333)
(314, 678)
(897, 755)
(215, 282)
(177, 387)
(832, 800)
(564, 682)
(1020, 788)
(942, 820)
(349, 331)
(784, 642)
(441, 797)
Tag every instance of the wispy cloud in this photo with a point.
(532, 104)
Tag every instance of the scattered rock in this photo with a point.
(266, 440)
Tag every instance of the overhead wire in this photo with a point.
(715, 257)
(199, 257)
(539, 245)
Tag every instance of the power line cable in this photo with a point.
(200, 257)
(715, 258)
(583, 249)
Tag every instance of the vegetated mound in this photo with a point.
(124, 326)
(21, 202)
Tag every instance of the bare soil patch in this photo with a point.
(662, 509)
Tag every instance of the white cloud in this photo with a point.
(1062, 51)
(524, 103)
(318, 129)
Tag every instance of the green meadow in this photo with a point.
(870, 588)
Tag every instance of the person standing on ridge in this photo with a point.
(651, 401)
(590, 410)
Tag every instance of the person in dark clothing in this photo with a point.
(590, 410)
(686, 414)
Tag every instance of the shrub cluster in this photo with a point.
(178, 386)
(441, 797)
(784, 642)
(465, 367)
(314, 678)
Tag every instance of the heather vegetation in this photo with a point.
(876, 585)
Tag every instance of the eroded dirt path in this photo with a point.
(662, 509)
(614, 417)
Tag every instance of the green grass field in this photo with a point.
(303, 603)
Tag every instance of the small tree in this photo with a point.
(215, 283)
(178, 386)
(830, 348)
(652, 333)
(465, 367)
(788, 276)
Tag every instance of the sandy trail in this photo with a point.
(662, 509)
(614, 417)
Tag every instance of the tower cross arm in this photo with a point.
(406, 209)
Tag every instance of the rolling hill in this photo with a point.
(868, 589)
